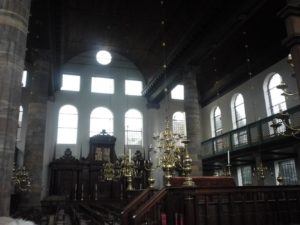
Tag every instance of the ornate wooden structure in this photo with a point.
(86, 179)
(82, 179)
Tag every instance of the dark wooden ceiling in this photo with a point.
(210, 36)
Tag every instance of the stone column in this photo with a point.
(291, 15)
(14, 15)
(39, 73)
(192, 113)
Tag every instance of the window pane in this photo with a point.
(133, 87)
(67, 120)
(240, 114)
(218, 121)
(179, 123)
(70, 82)
(20, 119)
(287, 170)
(277, 100)
(24, 78)
(246, 175)
(67, 125)
(133, 127)
(102, 85)
(66, 136)
(178, 92)
(103, 57)
(101, 119)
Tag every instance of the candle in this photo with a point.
(228, 157)
(81, 192)
(129, 154)
(96, 192)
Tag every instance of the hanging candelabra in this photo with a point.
(261, 171)
(283, 117)
(283, 86)
(21, 179)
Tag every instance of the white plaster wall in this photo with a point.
(120, 69)
(85, 65)
(253, 94)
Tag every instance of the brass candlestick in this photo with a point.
(149, 168)
(127, 168)
(280, 180)
(108, 171)
(187, 166)
(168, 158)
(168, 170)
(228, 170)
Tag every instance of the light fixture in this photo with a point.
(261, 171)
(283, 86)
(283, 118)
(103, 57)
(21, 179)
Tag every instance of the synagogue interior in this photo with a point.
(150, 112)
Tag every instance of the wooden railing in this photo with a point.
(221, 206)
(135, 204)
(248, 136)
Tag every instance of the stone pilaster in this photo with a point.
(36, 125)
(291, 15)
(192, 113)
(14, 15)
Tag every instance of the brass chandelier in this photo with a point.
(21, 179)
(174, 157)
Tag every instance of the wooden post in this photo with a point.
(189, 210)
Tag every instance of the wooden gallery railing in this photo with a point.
(220, 206)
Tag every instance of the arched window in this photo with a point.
(67, 125)
(179, 123)
(20, 119)
(217, 121)
(239, 111)
(216, 128)
(101, 119)
(133, 127)
(239, 119)
(275, 102)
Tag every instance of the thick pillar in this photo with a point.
(14, 15)
(291, 15)
(36, 126)
(192, 113)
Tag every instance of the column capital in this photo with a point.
(291, 14)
